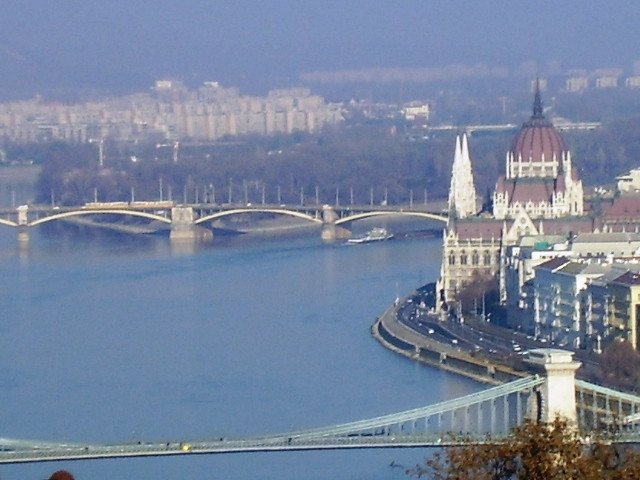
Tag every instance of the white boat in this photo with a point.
(376, 234)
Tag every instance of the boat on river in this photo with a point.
(377, 234)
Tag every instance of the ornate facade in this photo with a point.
(540, 178)
(540, 193)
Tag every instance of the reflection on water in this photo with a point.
(111, 338)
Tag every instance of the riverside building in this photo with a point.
(539, 193)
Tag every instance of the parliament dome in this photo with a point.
(538, 140)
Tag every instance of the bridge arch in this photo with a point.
(75, 213)
(361, 216)
(8, 223)
(278, 211)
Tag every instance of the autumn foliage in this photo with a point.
(61, 475)
(536, 452)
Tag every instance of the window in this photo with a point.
(487, 257)
(475, 258)
(463, 258)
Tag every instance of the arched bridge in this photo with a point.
(183, 220)
(304, 215)
(483, 417)
(399, 212)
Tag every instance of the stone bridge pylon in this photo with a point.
(183, 226)
(556, 397)
(330, 231)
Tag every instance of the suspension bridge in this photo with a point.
(487, 416)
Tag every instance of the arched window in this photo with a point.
(452, 259)
(487, 257)
(463, 258)
(475, 258)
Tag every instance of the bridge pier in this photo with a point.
(330, 231)
(183, 226)
(23, 223)
(23, 234)
(556, 397)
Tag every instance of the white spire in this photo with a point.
(462, 193)
(452, 188)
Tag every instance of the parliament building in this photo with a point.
(539, 194)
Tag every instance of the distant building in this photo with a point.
(632, 82)
(417, 112)
(629, 182)
(607, 82)
(577, 84)
(170, 111)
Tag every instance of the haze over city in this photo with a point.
(178, 180)
(121, 46)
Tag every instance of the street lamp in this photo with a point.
(100, 150)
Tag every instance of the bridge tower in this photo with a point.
(330, 231)
(557, 395)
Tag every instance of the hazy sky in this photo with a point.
(130, 43)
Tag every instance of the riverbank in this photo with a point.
(398, 337)
(474, 348)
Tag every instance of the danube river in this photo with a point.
(108, 338)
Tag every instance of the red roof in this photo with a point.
(527, 189)
(626, 206)
(537, 137)
(558, 226)
(478, 228)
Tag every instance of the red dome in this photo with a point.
(538, 136)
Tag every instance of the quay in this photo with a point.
(406, 341)
(475, 349)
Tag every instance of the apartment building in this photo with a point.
(169, 111)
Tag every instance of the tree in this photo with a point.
(535, 451)
(620, 366)
(61, 475)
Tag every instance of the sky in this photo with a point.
(128, 44)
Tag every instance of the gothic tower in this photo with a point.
(462, 193)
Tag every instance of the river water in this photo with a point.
(108, 338)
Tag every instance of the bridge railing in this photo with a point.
(493, 410)
(601, 408)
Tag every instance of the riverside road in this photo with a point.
(410, 321)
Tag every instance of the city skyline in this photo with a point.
(123, 46)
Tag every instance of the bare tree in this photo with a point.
(620, 366)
